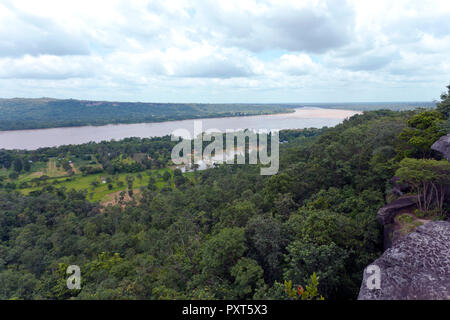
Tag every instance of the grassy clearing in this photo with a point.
(100, 186)
(97, 189)
(38, 169)
(52, 170)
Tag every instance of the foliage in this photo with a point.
(310, 293)
(444, 106)
(423, 130)
(428, 178)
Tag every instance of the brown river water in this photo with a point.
(301, 118)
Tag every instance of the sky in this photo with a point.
(225, 51)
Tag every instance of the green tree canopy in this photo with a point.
(428, 178)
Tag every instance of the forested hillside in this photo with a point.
(223, 233)
(19, 113)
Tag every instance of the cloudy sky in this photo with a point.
(225, 51)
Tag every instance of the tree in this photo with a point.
(151, 184)
(94, 184)
(237, 214)
(122, 197)
(129, 179)
(166, 176)
(223, 250)
(18, 165)
(13, 175)
(428, 178)
(17, 284)
(422, 131)
(310, 293)
(266, 242)
(179, 180)
(328, 261)
(26, 166)
(247, 277)
(444, 106)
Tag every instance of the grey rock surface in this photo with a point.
(417, 267)
(443, 146)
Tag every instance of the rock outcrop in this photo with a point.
(387, 213)
(443, 146)
(416, 267)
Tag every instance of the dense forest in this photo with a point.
(20, 113)
(222, 233)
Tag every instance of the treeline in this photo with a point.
(157, 148)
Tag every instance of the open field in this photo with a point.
(52, 170)
(97, 187)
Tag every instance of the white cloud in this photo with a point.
(49, 67)
(22, 33)
(213, 50)
(295, 64)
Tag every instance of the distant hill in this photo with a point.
(19, 113)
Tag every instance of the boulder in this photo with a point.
(443, 146)
(387, 213)
(417, 267)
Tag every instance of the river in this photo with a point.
(309, 117)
